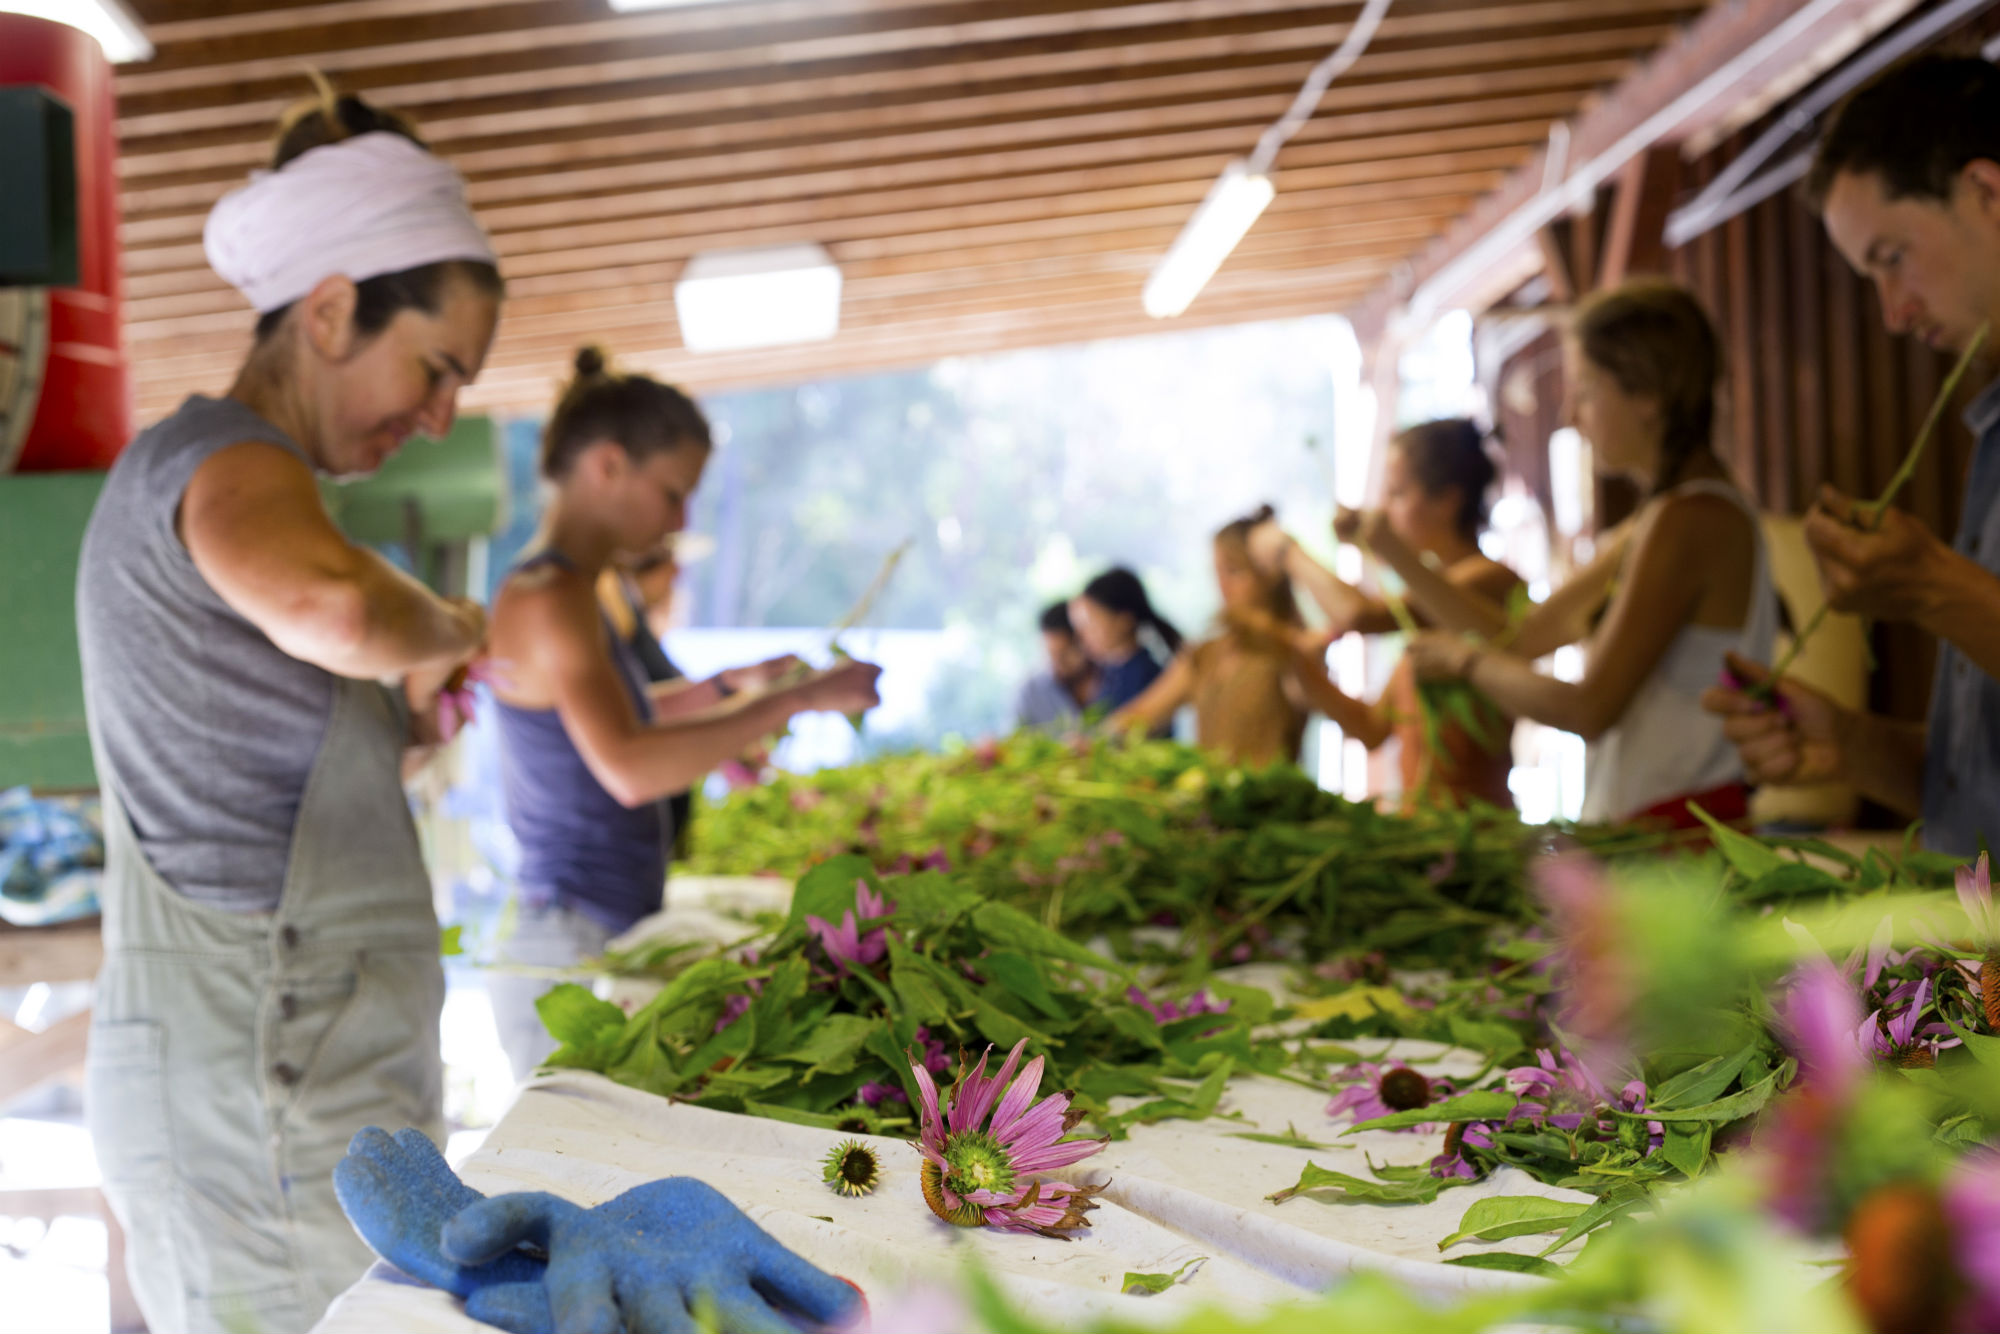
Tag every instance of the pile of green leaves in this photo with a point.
(1096, 839)
(967, 970)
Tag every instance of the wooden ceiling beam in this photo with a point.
(540, 134)
(427, 86)
(152, 248)
(1147, 232)
(924, 159)
(154, 271)
(483, 42)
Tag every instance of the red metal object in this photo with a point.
(84, 415)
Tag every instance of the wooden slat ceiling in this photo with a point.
(988, 174)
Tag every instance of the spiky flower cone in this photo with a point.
(1989, 990)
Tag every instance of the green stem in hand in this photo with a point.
(1869, 513)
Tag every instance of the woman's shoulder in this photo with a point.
(1691, 518)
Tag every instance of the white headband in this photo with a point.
(361, 207)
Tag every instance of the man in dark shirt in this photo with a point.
(1907, 178)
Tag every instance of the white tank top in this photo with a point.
(1665, 745)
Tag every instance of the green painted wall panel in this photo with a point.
(42, 737)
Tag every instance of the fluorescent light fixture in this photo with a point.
(1234, 202)
(764, 296)
(108, 21)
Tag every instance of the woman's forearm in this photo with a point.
(1445, 604)
(1520, 691)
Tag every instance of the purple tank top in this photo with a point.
(579, 846)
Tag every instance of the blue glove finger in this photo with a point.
(401, 1211)
(739, 1310)
(522, 1308)
(487, 1229)
(580, 1292)
(658, 1308)
(422, 1159)
(812, 1292)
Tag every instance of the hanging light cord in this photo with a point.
(1315, 86)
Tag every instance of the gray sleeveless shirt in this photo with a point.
(211, 729)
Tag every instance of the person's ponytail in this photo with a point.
(1119, 590)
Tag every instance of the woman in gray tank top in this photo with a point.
(271, 980)
(590, 749)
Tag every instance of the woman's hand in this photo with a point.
(1794, 739)
(1440, 656)
(1365, 528)
(846, 687)
(1269, 547)
(762, 675)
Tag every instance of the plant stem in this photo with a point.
(1870, 512)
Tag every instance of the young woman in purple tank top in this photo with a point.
(590, 749)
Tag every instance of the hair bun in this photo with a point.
(590, 360)
(1262, 514)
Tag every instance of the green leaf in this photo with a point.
(827, 890)
(1732, 1108)
(1007, 926)
(1478, 1105)
(1142, 1285)
(1750, 858)
(1687, 1146)
(1492, 1039)
(1596, 1216)
(576, 1018)
(833, 1044)
(1502, 1216)
(1024, 979)
(1290, 1140)
(1705, 1082)
(1316, 1177)
(451, 942)
(1249, 1006)
(1983, 1048)
(1508, 1262)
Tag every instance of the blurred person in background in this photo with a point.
(1435, 484)
(1128, 640)
(1054, 700)
(1248, 708)
(589, 756)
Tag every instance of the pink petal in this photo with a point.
(982, 1101)
(927, 1094)
(1020, 1096)
(971, 1085)
(1039, 1128)
(1060, 1155)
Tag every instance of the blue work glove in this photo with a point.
(643, 1264)
(399, 1192)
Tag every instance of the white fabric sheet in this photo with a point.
(1176, 1191)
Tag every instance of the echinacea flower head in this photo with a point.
(1905, 1039)
(1166, 1012)
(985, 1140)
(852, 1168)
(1558, 1090)
(1383, 1090)
(1899, 1260)
(847, 946)
(1453, 1163)
(1975, 893)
